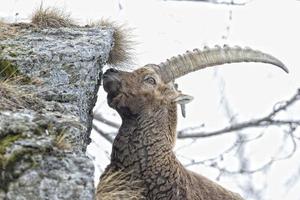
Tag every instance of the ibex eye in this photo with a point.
(150, 80)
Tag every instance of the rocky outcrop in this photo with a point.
(49, 80)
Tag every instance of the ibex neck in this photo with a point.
(145, 137)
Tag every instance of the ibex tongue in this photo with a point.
(191, 61)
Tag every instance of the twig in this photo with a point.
(107, 136)
(255, 123)
(219, 157)
(100, 118)
(232, 3)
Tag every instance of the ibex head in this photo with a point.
(152, 85)
(131, 93)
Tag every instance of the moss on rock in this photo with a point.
(7, 141)
(9, 162)
(7, 69)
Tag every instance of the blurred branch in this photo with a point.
(214, 162)
(266, 121)
(224, 2)
(100, 118)
(107, 136)
(255, 123)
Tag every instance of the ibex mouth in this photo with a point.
(111, 83)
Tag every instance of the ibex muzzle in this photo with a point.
(111, 81)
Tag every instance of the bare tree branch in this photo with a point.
(223, 2)
(215, 159)
(107, 136)
(255, 123)
(100, 118)
(266, 121)
(190, 132)
(213, 162)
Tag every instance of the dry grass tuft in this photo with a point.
(51, 17)
(122, 53)
(2, 22)
(12, 98)
(6, 30)
(118, 186)
(61, 142)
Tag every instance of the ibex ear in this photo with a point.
(183, 99)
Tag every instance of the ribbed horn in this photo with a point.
(191, 61)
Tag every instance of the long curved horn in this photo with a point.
(196, 60)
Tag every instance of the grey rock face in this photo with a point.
(45, 121)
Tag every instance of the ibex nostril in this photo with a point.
(112, 70)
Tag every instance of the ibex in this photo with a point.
(146, 101)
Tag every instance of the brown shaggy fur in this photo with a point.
(122, 53)
(51, 17)
(118, 186)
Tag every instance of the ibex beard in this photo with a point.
(146, 99)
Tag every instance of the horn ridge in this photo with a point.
(190, 61)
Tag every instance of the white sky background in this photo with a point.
(167, 28)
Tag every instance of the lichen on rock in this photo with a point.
(48, 88)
